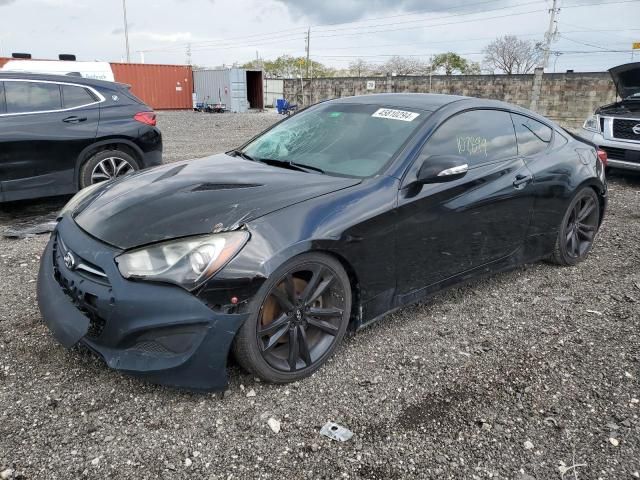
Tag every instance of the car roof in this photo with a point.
(422, 101)
(434, 101)
(48, 77)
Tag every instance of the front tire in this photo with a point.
(301, 315)
(107, 165)
(578, 229)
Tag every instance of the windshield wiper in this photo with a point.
(292, 165)
(240, 153)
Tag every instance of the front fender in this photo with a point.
(355, 224)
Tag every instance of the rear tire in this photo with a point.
(301, 315)
(578, 229)
(106, 165)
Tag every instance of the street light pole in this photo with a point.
(126, 29)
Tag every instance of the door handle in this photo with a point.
(522, 181)
(74, 119)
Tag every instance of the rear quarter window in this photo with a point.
(75, 96)
(533, 137)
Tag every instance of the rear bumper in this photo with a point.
(149, 142)
(152, 158)
(159, 332)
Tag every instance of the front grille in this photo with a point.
(614, 153)
(150, 346)
(85, 302)
(623, 129)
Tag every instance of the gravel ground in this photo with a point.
(532, 374)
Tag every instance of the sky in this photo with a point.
(224, 32)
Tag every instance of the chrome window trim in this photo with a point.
(101, 97)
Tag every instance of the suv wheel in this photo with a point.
(106, 165)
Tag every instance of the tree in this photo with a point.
(403, 66)
(511, 55)
(451, 62)
(286, 66)
(361, 68)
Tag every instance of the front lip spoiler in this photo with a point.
(137, 309)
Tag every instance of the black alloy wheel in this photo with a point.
(578, 229)
(302, 318)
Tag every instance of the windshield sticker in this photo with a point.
(335, 114)
(391, 114)
(472, 145)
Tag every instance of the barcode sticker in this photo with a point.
(391, 114)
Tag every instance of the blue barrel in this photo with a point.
(280, 104)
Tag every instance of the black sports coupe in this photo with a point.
(329, 220)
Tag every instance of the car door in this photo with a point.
(41, 137)
(541, 150)
(445, 229)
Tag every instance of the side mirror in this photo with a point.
(442, 168)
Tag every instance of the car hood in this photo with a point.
(627, 79)
(195, 197)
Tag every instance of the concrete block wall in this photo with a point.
(565, 97)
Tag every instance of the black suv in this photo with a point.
(62, 133)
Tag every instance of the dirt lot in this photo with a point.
(532, 374)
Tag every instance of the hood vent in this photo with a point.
(206, 187)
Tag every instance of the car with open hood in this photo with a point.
(615, 128)
(327, 221)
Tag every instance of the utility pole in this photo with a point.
(557, 54)
(126, 29)
(189, 53)
(549, 36)
(308, 48)
(551, 33)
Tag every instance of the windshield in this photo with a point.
(339, 139)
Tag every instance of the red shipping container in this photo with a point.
(162, 87)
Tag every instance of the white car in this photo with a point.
(615, 128)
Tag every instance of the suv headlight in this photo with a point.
(187, 262)
(592, 123)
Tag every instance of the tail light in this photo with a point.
(602, 155)
(148, 118)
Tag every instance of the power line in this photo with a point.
(203, 47)
(437, 18)
(300, 30)
(431, 25)
(599, 4)
(282, 36)
(583, 43)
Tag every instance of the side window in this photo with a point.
(480, 136)
(73, 96)
(31, 96)
(533, 136)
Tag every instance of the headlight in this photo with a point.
(78, 198)
(592, 123)
(187, 262)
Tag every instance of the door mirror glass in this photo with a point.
(442, 168)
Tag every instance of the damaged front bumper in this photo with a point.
(156, 331)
